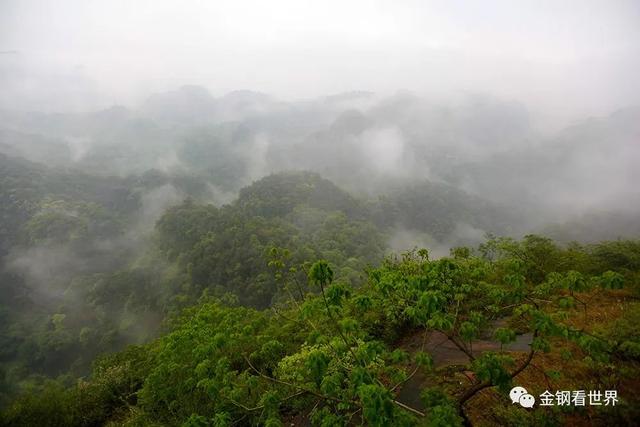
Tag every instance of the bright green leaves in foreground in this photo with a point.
(377, 407)
(321, 274)
(332, 355)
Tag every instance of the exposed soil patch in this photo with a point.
(446, 354)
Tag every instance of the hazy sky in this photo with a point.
(556, 55)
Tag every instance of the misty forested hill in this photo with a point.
(81, 251)
(365, 143)
(160, 265)
(586, 167)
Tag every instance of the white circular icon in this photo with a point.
(516, 393)
(527, 400)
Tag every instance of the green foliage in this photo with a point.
(115, 381)
(377, 408)
(505, 335)
(442, 410)
(317, 363)
(321, 274)
(610, 280)
(444, 415)
(492, 367)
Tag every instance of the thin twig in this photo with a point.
(415, 370)
(409, 408)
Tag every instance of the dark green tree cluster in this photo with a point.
(224, 249)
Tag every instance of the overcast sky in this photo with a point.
(556, 55)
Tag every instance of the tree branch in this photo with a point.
(486, 384)
(300, 388)
(460, 346)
